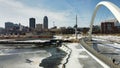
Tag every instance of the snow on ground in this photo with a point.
(7, 39)
(108, 37)
(79, 58)
(73, 61)
(35, 41)
(69, 37)
(57, 37)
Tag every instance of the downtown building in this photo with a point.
(13, 29)
(38, 27)
(32, 23)
(9, 25)
(45, 22)
(110, 26)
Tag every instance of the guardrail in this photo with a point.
(103, 58)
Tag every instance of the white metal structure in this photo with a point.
(112, 7)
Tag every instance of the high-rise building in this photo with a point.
(32, 23)
(45, 22)
(9, 25)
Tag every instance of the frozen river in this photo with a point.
(31, 58)
(47, 57)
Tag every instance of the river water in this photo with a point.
(47, 57)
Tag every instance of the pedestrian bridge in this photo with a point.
(87, 42)
(112, 7)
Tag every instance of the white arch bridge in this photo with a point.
(112, 7)
(88, 41)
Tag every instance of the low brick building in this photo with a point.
(110, 27)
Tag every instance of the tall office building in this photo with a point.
(32, 23)
(9, 25)
(45, 22)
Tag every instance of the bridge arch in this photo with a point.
(112, 7)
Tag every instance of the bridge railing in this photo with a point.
(103, 58)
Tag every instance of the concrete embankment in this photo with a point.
(66, 58)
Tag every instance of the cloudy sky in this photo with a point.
(62, 12)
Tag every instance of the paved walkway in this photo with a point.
(80, 58)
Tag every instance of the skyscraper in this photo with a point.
(45, 22)
(32, 23)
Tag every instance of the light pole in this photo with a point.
(76, 28)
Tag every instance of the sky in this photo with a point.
(61, 12)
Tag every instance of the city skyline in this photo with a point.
(62, 12)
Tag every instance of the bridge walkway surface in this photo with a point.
(80, 58)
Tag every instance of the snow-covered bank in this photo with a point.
(35, 41)
(66, 58)
(67, 37)
(79, 58)
(7, 39)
